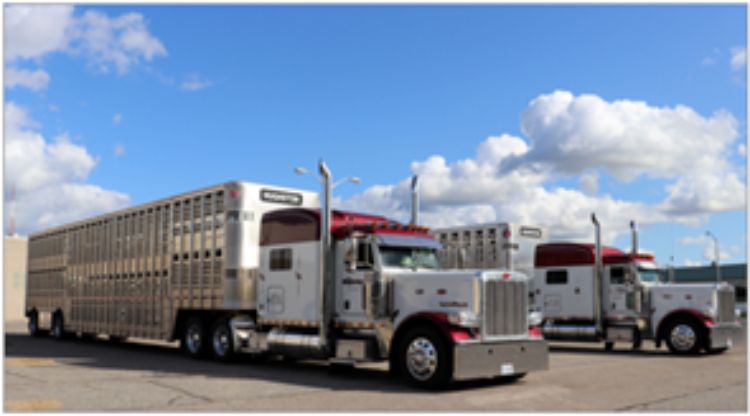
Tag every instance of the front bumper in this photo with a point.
(500, 358)
(722, 335)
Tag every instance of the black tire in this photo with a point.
(424, 358)
(222, 341)
(714, 351)
(33, 325)
(87, 336)
(116, 339)
(195, 340)
(609, 346)
(58, 327)
(513, 378)
(685, 336)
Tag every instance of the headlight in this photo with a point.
(467, 319)
(535, 318)
(710, 312)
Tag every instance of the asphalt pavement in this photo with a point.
(42, 374)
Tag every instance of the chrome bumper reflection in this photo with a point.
(503, 358)
(722, 335)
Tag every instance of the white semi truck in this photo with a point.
(243, 267)
(586, 292)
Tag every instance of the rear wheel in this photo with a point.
(424, 358)
(684, 336)
(33, 325)
(58, 326)
(194, 340)
(222, 341)
(609, 346)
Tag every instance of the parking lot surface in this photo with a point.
(42, 374)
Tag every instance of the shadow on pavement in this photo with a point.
(167, 359)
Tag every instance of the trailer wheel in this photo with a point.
(684, 336)
(33, 325)
(424, 358)
(194, 340)
(222, 342)
(58, 326)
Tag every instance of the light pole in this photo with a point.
(717, 253)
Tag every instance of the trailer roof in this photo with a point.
(577, 254)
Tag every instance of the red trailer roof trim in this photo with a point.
(579, 254)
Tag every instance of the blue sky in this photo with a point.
(155, 100)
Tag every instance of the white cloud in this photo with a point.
(742, 149)
(194, 82)
(626, 138)
(508, 180)
(738, 58)
(692, 263)
(590, 182)
(708, 61)
(119, 150)
(117, 118)
(33, 31)
(120, 42)
(35, 80)
(49, 177)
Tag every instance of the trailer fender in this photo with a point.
(694, 314)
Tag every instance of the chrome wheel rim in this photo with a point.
(193, 339)
(221, 341)
(421, 359)
(682, 337)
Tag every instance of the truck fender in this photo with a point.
(437, 320)
(695, 314)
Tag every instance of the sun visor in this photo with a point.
(404, 241)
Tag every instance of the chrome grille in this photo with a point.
(505, 308)
(725, 306)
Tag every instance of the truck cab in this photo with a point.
(385, 297)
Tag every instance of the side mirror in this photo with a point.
(351, 258)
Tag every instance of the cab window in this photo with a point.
(364, 256)
(617, 276)
(281, 259)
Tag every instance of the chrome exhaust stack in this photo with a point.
(321, 341)
(634, 240)
(414, 200)
(598, 278)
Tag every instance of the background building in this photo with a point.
(14, 272)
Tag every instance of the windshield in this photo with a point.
(648, 275)
(408, 257)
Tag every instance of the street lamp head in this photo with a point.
(354, 180)
(300, 171)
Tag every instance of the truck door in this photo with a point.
(288, 287)
(623, 297)
(358, 270)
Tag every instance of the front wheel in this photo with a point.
(424, 358)
(684, 337)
